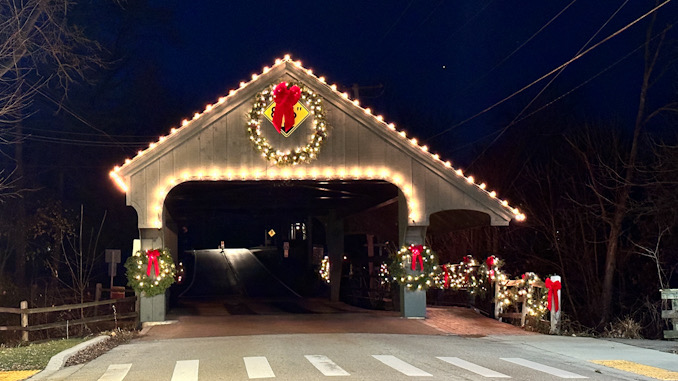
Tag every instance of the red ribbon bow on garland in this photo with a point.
(447, 276)
(553, 287)
(153, 262)
(285, 99)
(490, 261)
(416, 254)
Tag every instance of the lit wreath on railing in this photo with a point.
(300, 154)
(150, 272)
(415, 267)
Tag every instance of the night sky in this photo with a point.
(429, 66)
(425, 65)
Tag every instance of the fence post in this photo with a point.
(24, 320)
(97, 297)
(523, 310)
(497, 303)
(555, 315)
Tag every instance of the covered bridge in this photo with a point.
(341, 157)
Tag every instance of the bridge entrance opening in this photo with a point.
(257, 247)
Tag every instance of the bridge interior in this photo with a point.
(258, 272)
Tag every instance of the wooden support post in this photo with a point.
(497, 302)
(523, 310)
(555, 314)
(24, 321)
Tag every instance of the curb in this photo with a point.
(146, 326)
(58, 360)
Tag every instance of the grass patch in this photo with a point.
(33, 356)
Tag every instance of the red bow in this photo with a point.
(447, 276)
(490, 261)
(553, 287)
(285, 99)
(416, 254)
(153, 261)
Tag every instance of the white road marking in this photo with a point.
(116, 372)
(401, 366)
(471, 367)
(326, 366)
(258, 367)
(543, 368)
(186, 370)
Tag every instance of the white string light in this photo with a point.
(119, 181)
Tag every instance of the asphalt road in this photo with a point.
(367, 357)
(232, 272)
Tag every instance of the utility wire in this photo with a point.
(534, 99)
(518, 48)
(80, 142)
(88, 133)
(576, 57)
(388, 31)
(580, 85)
(587, 81)
(76, 116)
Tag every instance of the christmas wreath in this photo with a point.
(150, 272)
(415, 267)
(300, 154)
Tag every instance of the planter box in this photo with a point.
(412, 303)
(153, 308)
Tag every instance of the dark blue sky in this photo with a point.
(439, 62)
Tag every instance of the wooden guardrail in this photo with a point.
(24, 313)
(521, 302)
(671, 297)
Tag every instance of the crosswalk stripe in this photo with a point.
(258, 367)
(186, 370)
(543, 368)
(477, 369)
(115, 372)
(401, 366)
(326, 366)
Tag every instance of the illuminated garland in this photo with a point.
(300, 154)
(414, 267)
(529, 286)
(471, 276)
(141, 271)
(457, 276)
(325, 269)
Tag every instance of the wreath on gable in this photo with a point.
(300, 154)
(415, 267)
(150, 272)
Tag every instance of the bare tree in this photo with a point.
(620, 201)
(79, 258)
(39, 48)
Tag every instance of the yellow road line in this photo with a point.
(643, 370)
(16, 375)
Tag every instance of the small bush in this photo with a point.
(623, 328)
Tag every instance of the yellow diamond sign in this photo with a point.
(300, 114)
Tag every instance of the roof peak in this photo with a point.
(288, 60)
